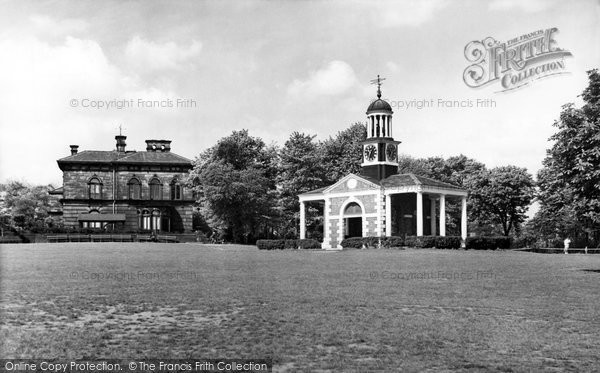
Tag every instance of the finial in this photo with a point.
(378, 81)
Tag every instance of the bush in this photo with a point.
(270, 244)
(306, 243)
(354, 242)
(448, 242)
(488, 243)
(392, 242)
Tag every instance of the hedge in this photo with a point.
(372, 242)
(306, 243)
(488, 243)
(445, 242)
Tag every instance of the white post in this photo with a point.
(442, 215)
(463, 219)
(419, 214)
(302, 220)
(432, 215)
(388, 215)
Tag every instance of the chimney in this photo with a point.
(121, 143)
(158, 146)
(74, 149)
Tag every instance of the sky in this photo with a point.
(73, 72)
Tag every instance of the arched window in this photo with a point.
(95, 188)
(145, 222)
(156, 220)
(353, 209)
(135, 189)
(176, 190)
(155, 189)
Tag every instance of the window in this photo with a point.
(175, 190)
(92, 224)
(135, 189)
(95, 188)
(155, 189)
(150, 221)
(146, 223)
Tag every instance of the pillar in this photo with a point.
(442, 215)
(302, 220)
(463, 219)
(388, 215)
(432, 215)
(419, 214)
(390, 122)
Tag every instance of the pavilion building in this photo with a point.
(379, 201)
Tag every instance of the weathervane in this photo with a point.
(378, 81)
(120, 130)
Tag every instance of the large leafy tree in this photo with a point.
(234, 183)
(26, 205)
(502, 194)
(301, 170)
(342, 154)
(569, 183)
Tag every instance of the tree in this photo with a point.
(342, 154)
(26, 205)
(502, 193)
(234, 182)
(569, 183)
(300, 170)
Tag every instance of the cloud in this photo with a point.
(145, 55)
(333, 79)
(529, 6)
(410, 13)
(39, 79)
(45, 25)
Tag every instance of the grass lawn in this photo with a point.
(357, 310)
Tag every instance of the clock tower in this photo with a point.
(380, 151)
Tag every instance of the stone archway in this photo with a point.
(353, 220)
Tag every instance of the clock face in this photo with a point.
(391, 152)
(370, 152)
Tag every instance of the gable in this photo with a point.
(352, 183)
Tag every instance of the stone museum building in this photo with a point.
(379, 201)
(126, 190)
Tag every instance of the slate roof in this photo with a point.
(99, 156)
(412, 179)
(399, 181)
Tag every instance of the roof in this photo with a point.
(398, 181)
(412, 179)
(59, 190)
(379, 105)
(100, 156)
(101, 217)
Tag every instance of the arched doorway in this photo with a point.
(353, 220)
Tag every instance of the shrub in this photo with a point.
(270, 244)
(353, 242)
(488, 243)
(392, 242)
(306, 243)
(448, 242)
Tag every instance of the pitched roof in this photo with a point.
(412, 179)
(153, 157)
(100, 156)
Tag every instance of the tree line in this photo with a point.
(247, 189)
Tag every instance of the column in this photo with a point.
(463, 219)
(419, 214)
(302, 220)
(390, 121)
(432, 215)
(388, 215)
(442, 215)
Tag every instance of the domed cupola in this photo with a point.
(379, 115)
(380, 150)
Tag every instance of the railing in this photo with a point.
(109, 238)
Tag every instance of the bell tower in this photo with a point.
(380, 150)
